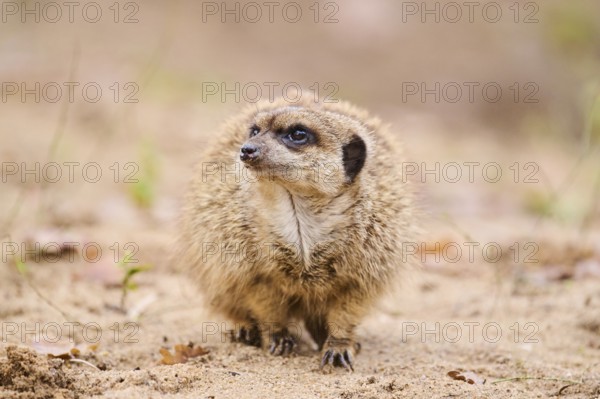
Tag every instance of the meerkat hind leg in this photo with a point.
(317, 328)
(247, 334)
(340, 346)
(272, 316)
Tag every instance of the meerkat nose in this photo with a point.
(249, 152)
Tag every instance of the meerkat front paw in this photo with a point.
(282, 343)
(339, 352)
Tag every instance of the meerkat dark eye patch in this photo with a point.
(354, 155)
(254, 130)
(297, 136)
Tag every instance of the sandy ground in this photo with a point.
(499, 319)
(524, 325)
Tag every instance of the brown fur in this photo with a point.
(296, 238)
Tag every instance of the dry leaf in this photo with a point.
(467, 376)
(182, 354)
(53, 349)
(63, 350)
(53, 242)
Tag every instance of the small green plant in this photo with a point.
(591, 133)
(129, 271)
(21, 266)
(572, 28)
(143, 190)
(539, 203)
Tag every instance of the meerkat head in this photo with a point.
(307, 150)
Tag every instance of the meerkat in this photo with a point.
(298, 213)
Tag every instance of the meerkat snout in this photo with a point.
(327, 218)
(249, 153)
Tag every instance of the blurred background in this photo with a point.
(489, 82)
(137, 90)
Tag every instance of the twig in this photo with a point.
(60, 127)
(536, 378)
(560, 391)
(43, 298)
(48, 302)
(589, 123)
(51, 304)
(585, 152)
(64, 112)
(450, 220)
(15, 209)
(586, 221)
(145, 76)
(83, 362)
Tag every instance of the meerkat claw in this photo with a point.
(334, 358)
(327, 358)
(282, 345)
(346, 361)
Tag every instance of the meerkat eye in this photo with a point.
(298, 136)
(254, 130)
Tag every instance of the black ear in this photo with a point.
(354, 155)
